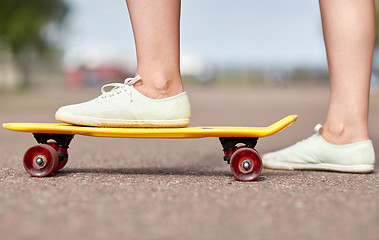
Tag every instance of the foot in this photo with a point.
(124, 106)
(314, 153)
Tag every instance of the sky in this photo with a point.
(245, 33)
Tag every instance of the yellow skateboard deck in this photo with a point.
(188, 132)
(51, 155)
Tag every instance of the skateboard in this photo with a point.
(51, 153)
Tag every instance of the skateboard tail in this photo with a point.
(281, 124)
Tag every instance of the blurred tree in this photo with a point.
(23, 26)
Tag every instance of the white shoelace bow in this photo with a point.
(117, 87)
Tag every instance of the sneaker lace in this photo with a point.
(118, 87)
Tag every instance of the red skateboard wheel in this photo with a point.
(246, 164)
(41, 160)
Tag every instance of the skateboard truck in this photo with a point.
(245, 162)
(230, 145)
(60, 142)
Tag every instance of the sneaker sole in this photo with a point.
(100, 122)
(363, 168)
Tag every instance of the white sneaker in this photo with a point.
(124, 106)
(314, 153)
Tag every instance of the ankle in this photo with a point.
(340, 134)
(158, 87)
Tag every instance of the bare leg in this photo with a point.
(156, 27)
(349, 34)
(164, 104)
(344, 145)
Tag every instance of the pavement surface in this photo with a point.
(182, 189)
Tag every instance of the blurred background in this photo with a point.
(76, 44)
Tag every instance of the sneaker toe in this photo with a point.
(81, 110)
(289, 156)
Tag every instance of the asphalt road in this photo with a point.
(182, 189)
